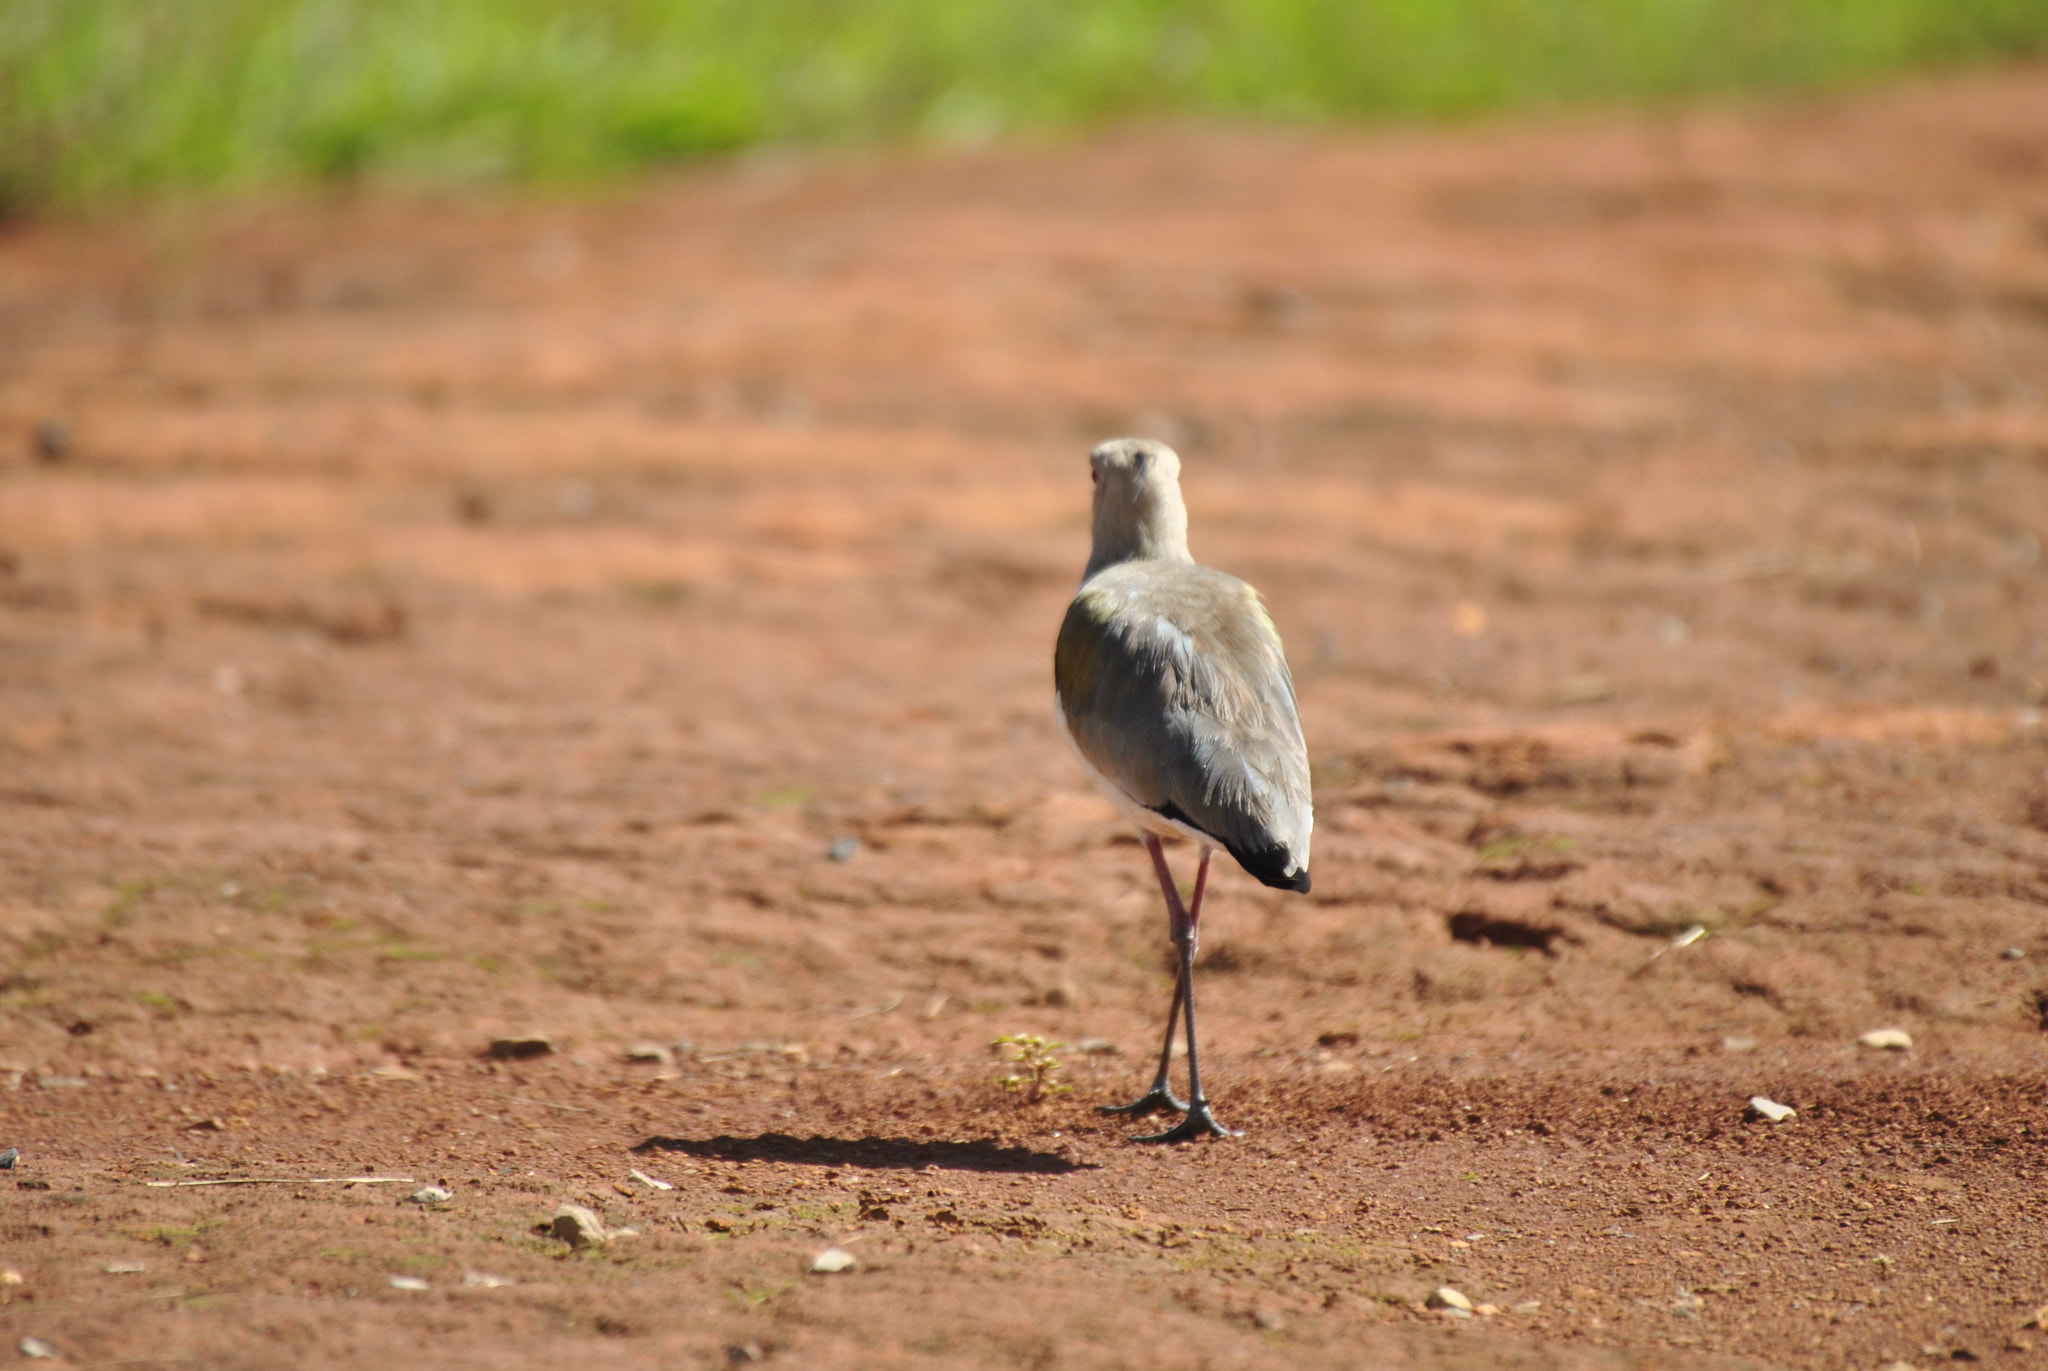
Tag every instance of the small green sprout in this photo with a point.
(1037, 1069)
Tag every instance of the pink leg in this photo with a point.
(1160, 1098)
(1200, 1122)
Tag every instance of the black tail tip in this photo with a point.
(1270, 868)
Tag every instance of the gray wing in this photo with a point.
(1175, 688)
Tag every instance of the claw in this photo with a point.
(1158, 1100)
(1199, 1123)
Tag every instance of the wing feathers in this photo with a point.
(1173, 683)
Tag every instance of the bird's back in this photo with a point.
(1173, 684)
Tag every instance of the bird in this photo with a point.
(1175, 693)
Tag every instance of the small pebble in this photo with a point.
(1449, 1297)
(1738, 1044)
(477, 1280)
(36, 1347)
(740, 1352)
(1897, 1039)
(407, 1283)
(1097, 1047)
(9, 1158)
(432, 1194)
(843, 849)
(519, 1049)
(1269, 1321)
(9, 1276)
(578, 1227)
(125, 1268)
(647, 1180)
(833, 1260)
(2015, 954)
(649, 1053)
(1771, 1109)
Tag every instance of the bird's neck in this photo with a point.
(1153, 530)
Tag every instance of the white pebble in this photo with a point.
(37, 1348)
(833, 1260)
(579, 1227)
(432, 1194)
(1897, 1039)
(407, 1283)
(1772, 1110)
(1449, 1297)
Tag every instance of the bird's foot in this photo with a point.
(1199, 1123)
(1158, 1100)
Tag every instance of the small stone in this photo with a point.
(833, 1260)
(37, 1348)
(125, 1268)
(653, 1054)
(407, 1283)
(1895, 1039)
(519, 1049)
(432, 1194)
(1449, 1297)
(1065, 995)
(649, 1181)
(1269, 1321)
(9, 1158)
(2038, 1319)
(477, 1280)
(9, 1276)
(1097, 1047)
(1770, 1109)
(1486, 1311)
(740, 1352)
(1738, 1044)
(2015, 954)
(578, 1227)
(843, 849)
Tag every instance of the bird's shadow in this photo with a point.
(871, 1154)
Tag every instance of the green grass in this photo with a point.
(102, 101)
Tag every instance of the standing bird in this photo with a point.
(1178, 700)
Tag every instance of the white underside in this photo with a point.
(1145, 820)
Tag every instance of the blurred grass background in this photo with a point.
(102, 101)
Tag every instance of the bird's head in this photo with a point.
(1138, 510)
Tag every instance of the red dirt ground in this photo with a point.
(424, 622)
